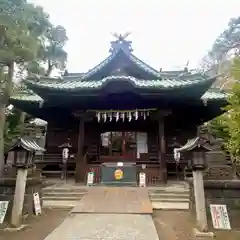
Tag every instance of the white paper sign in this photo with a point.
(3, 210)
(220, 217)
(142, 179)
(90, 178)
(37, 204)
(120, 164)
(142, 146)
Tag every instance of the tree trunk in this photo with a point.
(3, 103)
(2, 124)
(22, 123)
(49, 69)
(234, 167)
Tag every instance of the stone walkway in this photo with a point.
(126, 200)
(105, 214)
(106, 227)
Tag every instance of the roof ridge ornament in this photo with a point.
(121, 43)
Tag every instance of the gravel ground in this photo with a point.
(178, 225)
(37, 227)
(171, 225)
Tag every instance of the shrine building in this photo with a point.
(122, 110)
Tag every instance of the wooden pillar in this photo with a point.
(162, 147)
(81, 165)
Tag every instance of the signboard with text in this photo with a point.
(142, 179)
(90, 178)
(220, 217)
(3, 210)
(37, 204)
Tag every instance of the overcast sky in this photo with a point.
(165, 33)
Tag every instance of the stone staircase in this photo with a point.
(172, 197)
(62, 197)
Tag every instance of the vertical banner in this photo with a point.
(142, 179)
(220, 217)
(37, 204)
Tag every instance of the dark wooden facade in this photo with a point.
(160, 163)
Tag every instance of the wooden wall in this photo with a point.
(58, 135)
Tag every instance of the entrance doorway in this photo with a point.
(119, 144)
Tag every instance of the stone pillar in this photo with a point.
(200, 204)
(199, 165)
(162, 147)
(18, 201)
(81, 164)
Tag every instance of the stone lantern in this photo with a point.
(198, 149)
(198, 160)
(23, 152)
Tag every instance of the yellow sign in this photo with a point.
(118, 174)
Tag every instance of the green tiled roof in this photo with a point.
(81, 84)
(26, 95)
(211, 95)
(133, 58)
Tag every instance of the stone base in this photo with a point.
(15, 229)
(199, 234)
(7, 190)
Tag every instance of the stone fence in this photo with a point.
(225, 192)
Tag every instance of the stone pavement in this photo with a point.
(115, 200)
(106, 227)
(109, 213)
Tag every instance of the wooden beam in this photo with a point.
(86, 116)
(162, 147)
(81, 164)
(160, 114)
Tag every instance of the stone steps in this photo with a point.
(170, 198)
(65, 189)
(170, 195)
(57, 194)
(167, 199)
(163, 197)
(170, 206)
(61, 198)
(57, 197)
(59, 204)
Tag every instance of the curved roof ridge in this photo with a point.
(131, 56)
(140, 83)
(100, 65)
